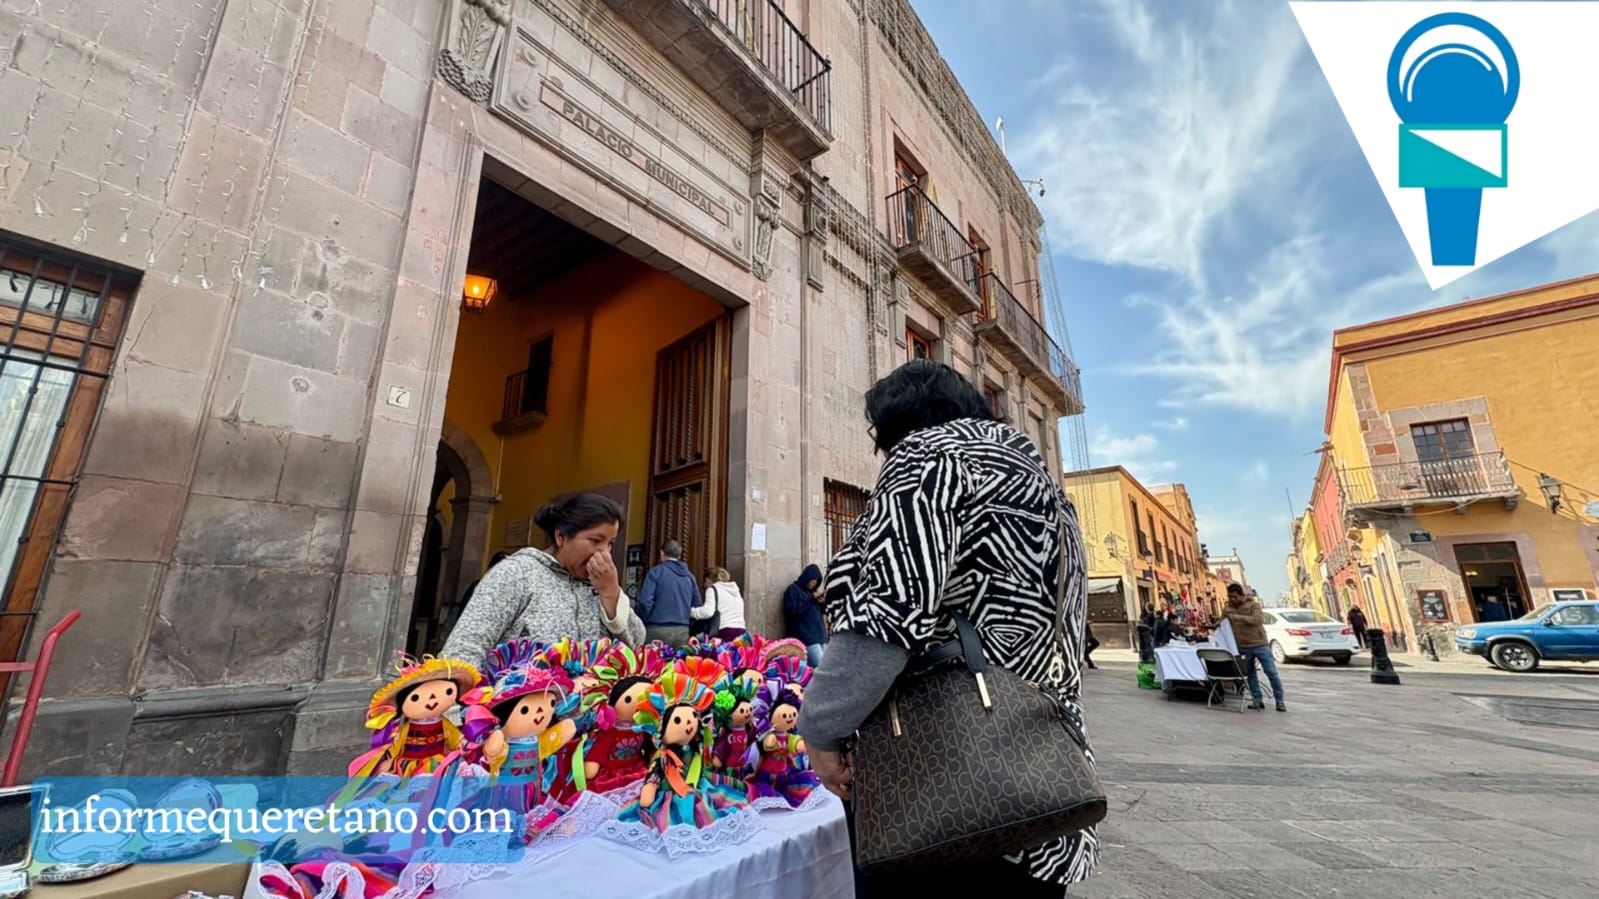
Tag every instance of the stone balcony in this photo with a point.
(1019, 336)
(1404, 486)
(932, 248)
(748, 56)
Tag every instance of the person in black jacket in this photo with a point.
(1166, 629)
(802, 610)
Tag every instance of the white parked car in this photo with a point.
(1305, 633)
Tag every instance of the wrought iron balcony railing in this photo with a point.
(1026, 341)
(933, 247)
(1402, 484)
(783, 50)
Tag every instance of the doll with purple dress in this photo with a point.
(782, 770)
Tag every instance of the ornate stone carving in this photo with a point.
(474, 30)
(765, 224)
(768, 209)
(818, 225)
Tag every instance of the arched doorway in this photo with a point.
(454, 541)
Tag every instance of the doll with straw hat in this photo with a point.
(412, 734)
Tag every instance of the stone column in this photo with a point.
(469, 535)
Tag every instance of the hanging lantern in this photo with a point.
(478, 292)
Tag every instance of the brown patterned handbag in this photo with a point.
(965, 761)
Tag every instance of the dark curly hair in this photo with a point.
(918, 395)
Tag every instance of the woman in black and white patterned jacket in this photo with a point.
(965, 517)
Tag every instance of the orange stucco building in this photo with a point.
(1463, 440)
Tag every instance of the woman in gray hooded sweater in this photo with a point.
(568, 590)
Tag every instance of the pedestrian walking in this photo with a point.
(668, 597)
(802, 611)
(1090, 643)
(1146, 635)
(1249, 629)
(1357, 621)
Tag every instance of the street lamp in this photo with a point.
(1551, 491)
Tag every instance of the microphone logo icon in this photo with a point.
(1453, 79)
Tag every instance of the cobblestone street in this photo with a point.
(1428, 789)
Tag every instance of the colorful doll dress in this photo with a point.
(682, 797)
(732, 749)
(784, 773)
(619, 751)
(525, 760)
(425, 746)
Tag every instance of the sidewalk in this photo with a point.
(1362, 790)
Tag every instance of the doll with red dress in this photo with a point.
(782, 769)
(734, 714)
(618, 753)
(409, 714)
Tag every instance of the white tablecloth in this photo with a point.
(1223, 637)
(798, 855)
(1179, 661)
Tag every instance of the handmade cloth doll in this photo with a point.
(793, 673)
(536, 714)
(782, 770)
(617, 754)
(734, 714)
(675, 791)
(413, 736)
(576, 658)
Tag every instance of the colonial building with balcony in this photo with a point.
(1463, 455)
(313, 305)
(1148, 552)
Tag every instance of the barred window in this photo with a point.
(843, 505)
(62, 317)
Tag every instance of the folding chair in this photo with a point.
(11, 766)
(1223, 673)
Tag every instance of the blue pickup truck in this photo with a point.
(1563, 632)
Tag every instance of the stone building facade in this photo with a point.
(1465, 482)
(282, 195)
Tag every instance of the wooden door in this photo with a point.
(60, 321)
(688, 455)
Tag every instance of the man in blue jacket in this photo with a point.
(670, 590)
(803, 613)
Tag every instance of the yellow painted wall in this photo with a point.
(1545, 416)
(1102, 511)
(609, 319)
(1113, 491)
(1309, 552)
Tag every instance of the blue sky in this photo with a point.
(1213, 221)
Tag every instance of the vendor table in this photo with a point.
(1180, 661)
(797, 855)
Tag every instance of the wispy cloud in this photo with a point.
(1257, 474)
(1201, 149)
(1140, 454)
(1176, 423)
(1156, 148)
